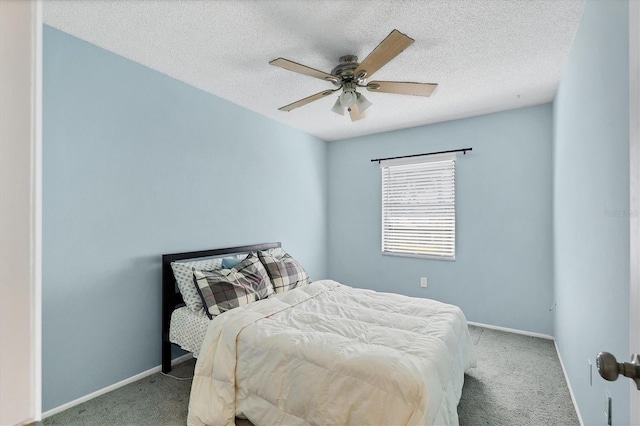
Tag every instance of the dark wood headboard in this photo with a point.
(171, 297)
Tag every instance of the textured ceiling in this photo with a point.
(486, 55)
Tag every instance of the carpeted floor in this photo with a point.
(518, 381)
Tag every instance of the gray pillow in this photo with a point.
(284, 271)
(226, 289)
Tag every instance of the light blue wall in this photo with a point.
(502, 274)
(591, 206)
(137, 164)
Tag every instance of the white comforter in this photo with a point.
(329, 354)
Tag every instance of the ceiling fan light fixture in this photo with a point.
(362, 102)
(347, 98)
(338, 108)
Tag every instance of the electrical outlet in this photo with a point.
(423, 282)
(607, 407)
(590, 372)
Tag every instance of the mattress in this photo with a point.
(331, 354)
(188, 328)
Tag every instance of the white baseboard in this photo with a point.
(511, 330)
(566, 379)
(114, 386)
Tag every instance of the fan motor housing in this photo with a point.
(348, 64)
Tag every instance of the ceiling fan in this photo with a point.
(348, 75)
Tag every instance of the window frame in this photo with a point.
(448, 158)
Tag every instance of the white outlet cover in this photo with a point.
(423, 282)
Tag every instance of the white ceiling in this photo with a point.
(486, 56)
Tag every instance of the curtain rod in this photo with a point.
(463, 150)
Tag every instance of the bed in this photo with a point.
(180, 325)
(327, 353)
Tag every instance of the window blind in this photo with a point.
(418, 207)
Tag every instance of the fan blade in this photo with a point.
(307, 100)
(390, 47)
(402, 87)
(303, 69)
(355, 113)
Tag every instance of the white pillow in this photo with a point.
(183, 272)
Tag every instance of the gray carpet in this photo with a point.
(518, 381)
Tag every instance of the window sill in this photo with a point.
(420, 256)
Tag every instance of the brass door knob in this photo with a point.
(609, 368)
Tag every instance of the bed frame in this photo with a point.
(171, 297)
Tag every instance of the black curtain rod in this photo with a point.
(463, 150)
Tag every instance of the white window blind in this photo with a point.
(418, 207)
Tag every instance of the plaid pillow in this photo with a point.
(285, 272)
(226, 289)
(183, 273)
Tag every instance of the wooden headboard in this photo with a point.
(171, 297)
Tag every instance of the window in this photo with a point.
(418, 207)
